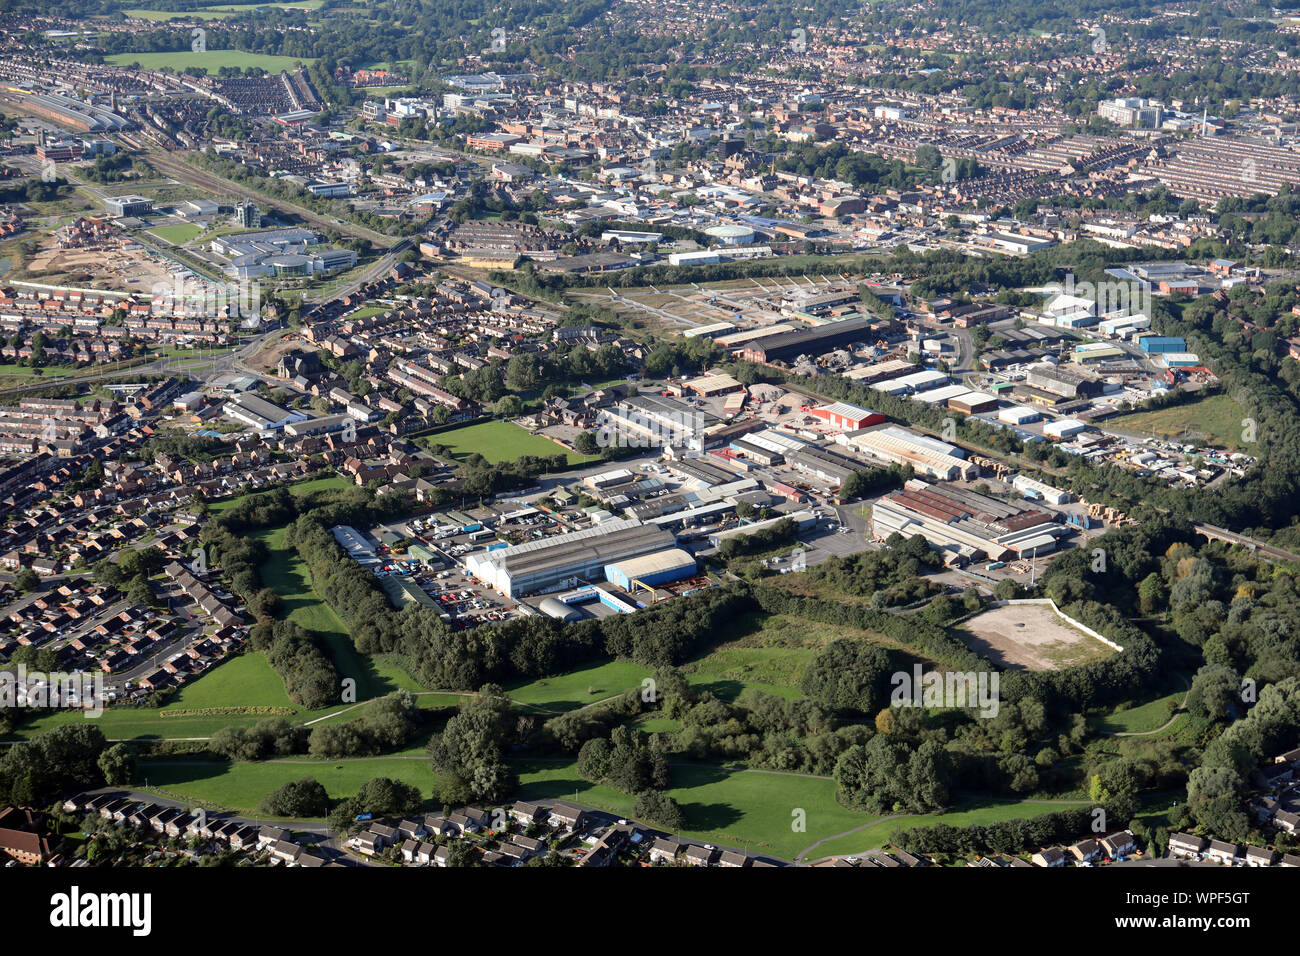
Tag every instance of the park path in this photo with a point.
(1182, 709)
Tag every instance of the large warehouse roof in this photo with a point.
(525, 566)
(674, 559)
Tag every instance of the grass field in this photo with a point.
(977, 812)
(285, 574)
(1141, 719)
(212, 60)
(767, 653)
(301, 488)
(581, 687)
(223, 12)
(177, 234)
(1216, 420)
(746, 809)
(498, 442)
(242, 786)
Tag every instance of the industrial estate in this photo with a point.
(614, 435)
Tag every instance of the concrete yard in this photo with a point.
(1030, 637)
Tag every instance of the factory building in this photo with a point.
(577, 556)
(1064, 428)
(1018, 415)
(964, 525)
(1038, 490)
(1066, 382)
(354, 543)
(788, 346)
(846, 417)
(651, 570)
(1158, 344)
(823, 464)
(259, 413)
(900, 446)
(972, 402)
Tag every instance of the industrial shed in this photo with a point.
(651, 569)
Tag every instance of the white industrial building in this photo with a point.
(1019, 415)
(566, 559)
(927, 456)
(1032, 488)
(1064, 428)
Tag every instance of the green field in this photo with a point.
(177, 234)
(747, 809)
(1216, 420)
(581, 687)
(245, 681)
(977, 812)
(212, 60)
(285, 574)
(765, 652)
(1141, 719)
(242, 786)
(500, 441)
(223, 12)
(329, 482)
(733, 807)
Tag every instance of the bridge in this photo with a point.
(1265, 551)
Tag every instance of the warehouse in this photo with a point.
(881, 371)
(756, 453)
(559, 610)
(651, 570)
(352, 541)
(1018, 415)
(1064, 428)
(790, 345)
(940, 395)
(964, 525)
(738, 340)
(825, 465)
(1031, 488)
(846, 417)
(973, 403)
(901, 446)
(717, 383)
(261, 414)
(920, 381)
(1157, 344)
(576, 556)
(1066, 382)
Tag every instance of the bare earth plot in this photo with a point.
(1030, 637)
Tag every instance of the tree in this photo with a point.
(117, 764)
(660, 809)
(848, 675)
(27, 581)
(509, 406)
(297, 799)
